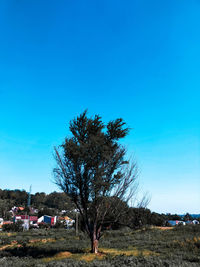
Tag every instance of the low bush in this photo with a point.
(43, 225)
(59, 225)
(13, 227)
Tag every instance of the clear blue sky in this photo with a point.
(139, 60)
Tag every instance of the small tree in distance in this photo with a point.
(92, 170)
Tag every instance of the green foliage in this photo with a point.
(173, 217)
(47, 204)
(43, 225)
(60, 225)
(187, 217)
(59, 201)
(176, 247)
(136, 217)
(47, 211)
(90, 158)
(39, 200)
(18, 197)
(157, 219)
(5, 206)
(13, 227)
(92, 170)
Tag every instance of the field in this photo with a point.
(179, 246)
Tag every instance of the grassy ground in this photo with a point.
(179, 246)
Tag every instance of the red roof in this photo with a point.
(26, 217)
(33, 218)
(21, 217)
(7, 222)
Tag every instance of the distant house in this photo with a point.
(33, 210)
(192, 222)
(20, 218)
(15, 209)
(47, 219)
(26, 220)
(176, 222)
(63, 211)
(195, 222)
(6, 222)
(68, 221)
(33, 219)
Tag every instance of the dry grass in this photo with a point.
(13, 244)
(163, 227)
(179, 244)
(58, 256)
(44, 240)
(189, 242)
(32, 242)
(7, 234)
(129, 252)
(91, 256)
(103, 252)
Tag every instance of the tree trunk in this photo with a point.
(94, 240)
(94, 245)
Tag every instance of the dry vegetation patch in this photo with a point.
(103, 252)
(172, 245)
(44, 240)
(58, 256)
(88, 257)
(163, 227)
(130, 252)
(7, 234)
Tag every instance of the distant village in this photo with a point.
(177, 222)
(52, 210)
(33, 221)
(40, 210)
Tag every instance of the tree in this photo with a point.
(173, 217)
(59, 201)
(187, 217)
(46, 211)
(92, 170)
(5, 206)
(139, 217)
(38, 200)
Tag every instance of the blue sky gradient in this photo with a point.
(138, 60)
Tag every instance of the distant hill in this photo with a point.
(193, 215)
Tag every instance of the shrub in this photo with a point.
(13, 227)
(43, 225)
(59, 225)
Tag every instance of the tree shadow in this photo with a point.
(36, 252)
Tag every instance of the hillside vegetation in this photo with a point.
(52, 204)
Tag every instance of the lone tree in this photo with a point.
(92, 170)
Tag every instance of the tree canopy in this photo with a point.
(93, 171)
